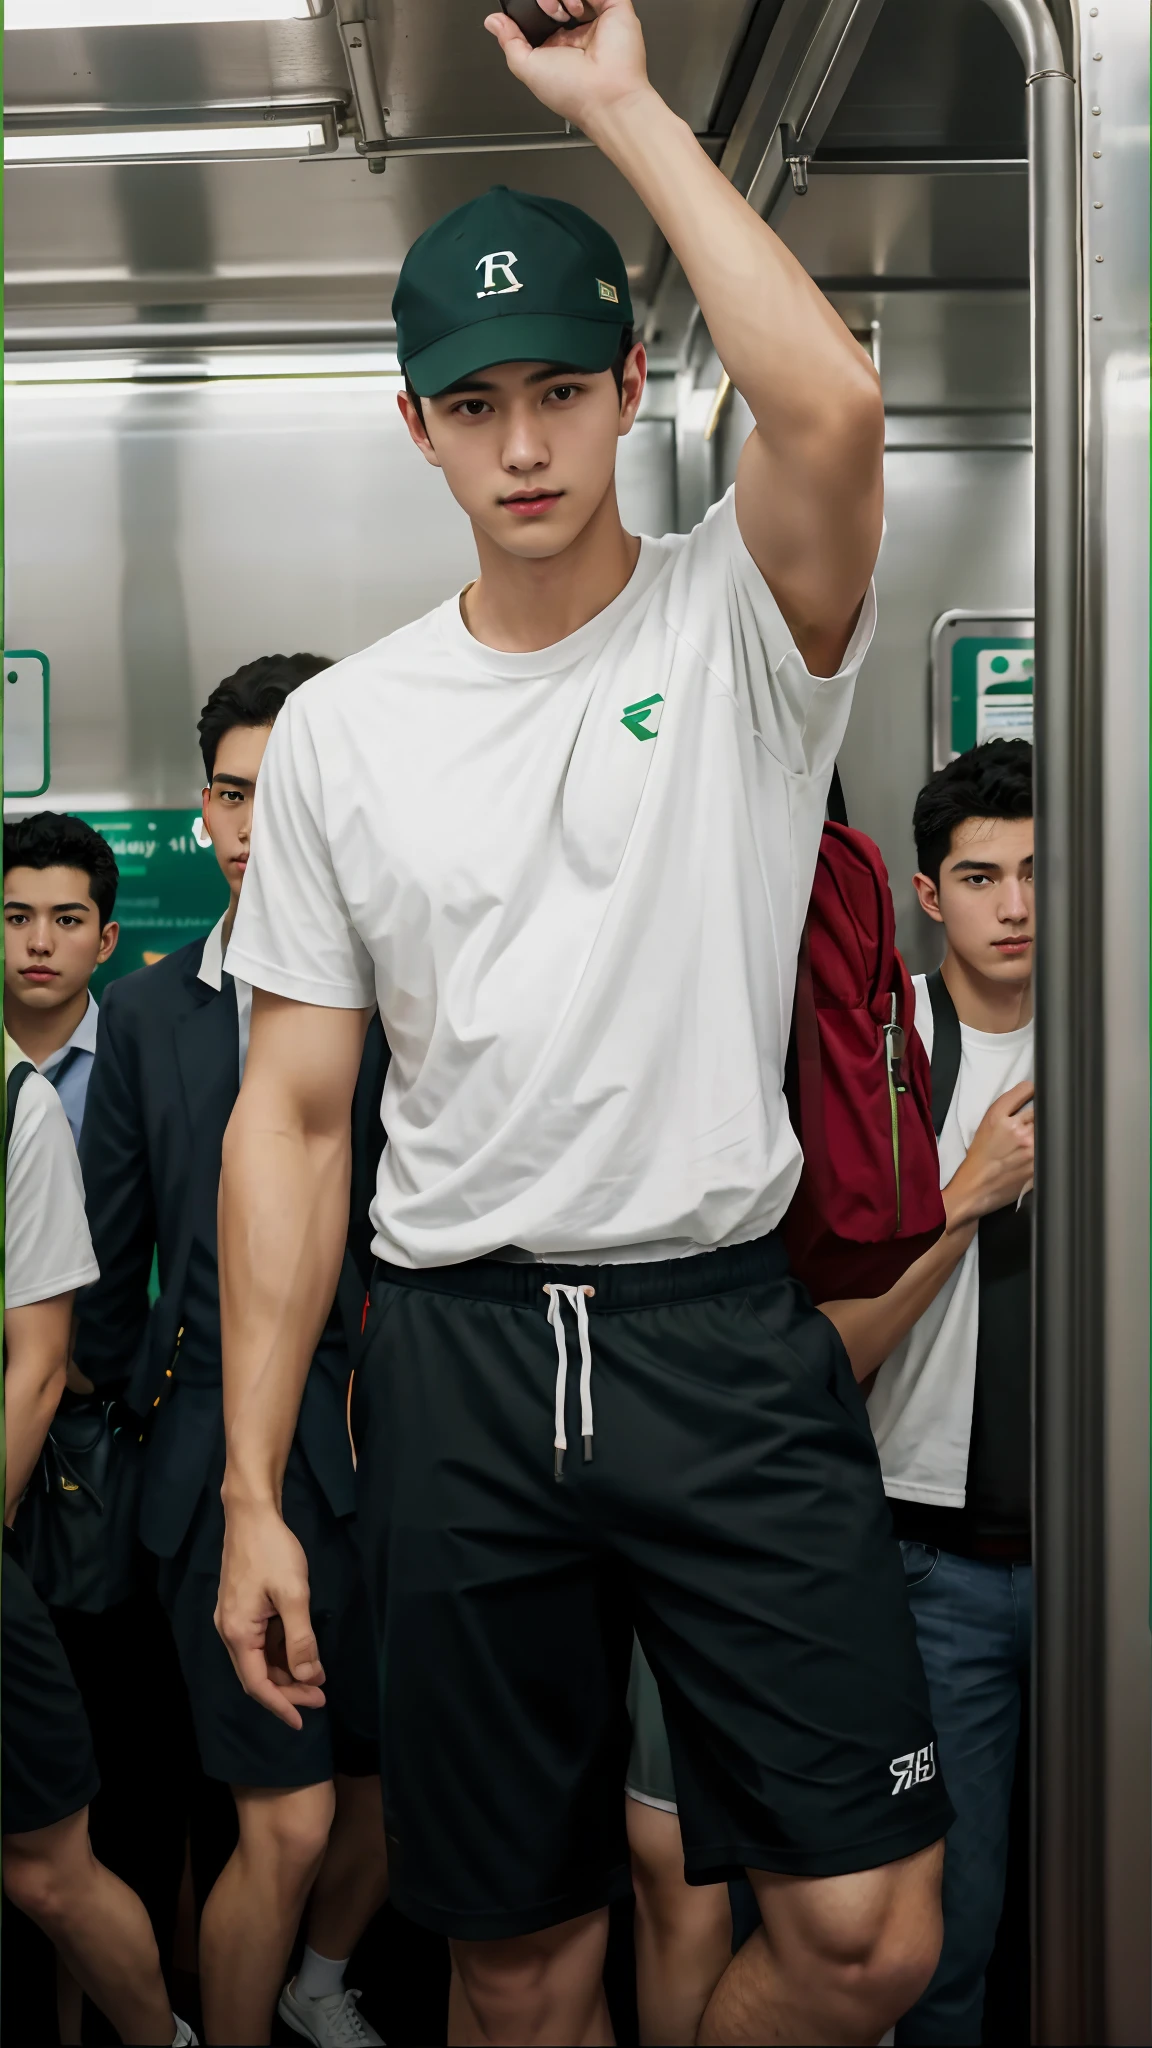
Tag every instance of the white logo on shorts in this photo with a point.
(917, 1768)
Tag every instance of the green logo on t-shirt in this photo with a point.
(636, 717)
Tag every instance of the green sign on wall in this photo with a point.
(982, 675)
(27, 755)
(171, 890)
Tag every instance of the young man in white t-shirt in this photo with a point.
(48, 1769)
(950, 1406)
(563, 830)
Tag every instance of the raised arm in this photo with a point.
(809, 492)
(283, 1227)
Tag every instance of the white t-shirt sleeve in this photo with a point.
(720, 601)
(48, 1250)
(293, 935)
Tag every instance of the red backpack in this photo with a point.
(859, 1087)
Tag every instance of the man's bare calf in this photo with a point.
(683, 1931)
(837, 1960)
(534, 1990)
(96, 1923)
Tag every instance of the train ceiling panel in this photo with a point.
(907, 231)
(936, 86)
(936, 80)
(441, 73)
(288, 242)
(284, 246)
(129, 68)
(312, 243)
(446, 76)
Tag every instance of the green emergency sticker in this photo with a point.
(983, 668)
(27, 742)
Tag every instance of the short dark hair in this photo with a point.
(627, 344)
(253, 696)
(53, 839)
(993, 780)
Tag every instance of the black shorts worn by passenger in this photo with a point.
(732, 1510)
(239, 1741)
(47, 1765)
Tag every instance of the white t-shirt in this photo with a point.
(47, 1248)
(921, 1404)
(574, 882)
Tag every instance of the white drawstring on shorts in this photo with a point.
(577, 1299)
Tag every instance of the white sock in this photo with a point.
(319, 1977)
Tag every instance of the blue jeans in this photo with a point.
(974, 1625)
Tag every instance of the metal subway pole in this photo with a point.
(1067, 1720)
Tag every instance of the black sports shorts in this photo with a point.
(239, 1741)
(731, 1508)
(47, 1763)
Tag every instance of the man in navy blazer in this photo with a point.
(173, 1040)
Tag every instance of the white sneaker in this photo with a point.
(184, 2037)
(332, 2022)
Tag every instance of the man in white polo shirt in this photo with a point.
(563, 830)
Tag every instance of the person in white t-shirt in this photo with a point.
(563, 830)
(950, 1405)
(48, 1768)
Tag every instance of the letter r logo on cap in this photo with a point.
(499, 264)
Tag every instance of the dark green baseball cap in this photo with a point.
(509, 278)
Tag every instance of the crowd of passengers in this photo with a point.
(627, 1589)
(117, 1116)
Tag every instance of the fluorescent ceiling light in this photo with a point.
(151, 13)
(372, 366)
(275, 138)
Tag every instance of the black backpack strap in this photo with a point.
(352, 1302)
(945, 1050)
(836, 807)
(16, 1080)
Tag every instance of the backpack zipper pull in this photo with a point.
(894, 1057)
(894, 1051)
